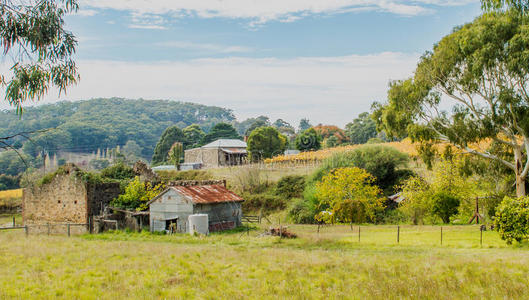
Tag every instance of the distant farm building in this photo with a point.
(223, 152)
(170, 210)
(66, 196)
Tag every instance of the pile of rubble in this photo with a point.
(280, 231)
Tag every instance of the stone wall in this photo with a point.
(67, 199)
(209, 157)
(100, 195)
(63, 200)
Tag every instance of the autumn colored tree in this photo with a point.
(327, 131)
(350, 195)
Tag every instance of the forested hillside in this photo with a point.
(85, 126)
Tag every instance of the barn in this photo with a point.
(171, 208)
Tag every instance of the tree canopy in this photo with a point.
(265, 142)
(85, 126)
(33, 33)
(483, 67)
(221, 131)
(169, 137)
(308, 140)
(304, 124)
(361, 129)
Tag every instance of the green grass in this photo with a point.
(7, 219)
(328, 265)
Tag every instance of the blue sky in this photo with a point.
(326, 60)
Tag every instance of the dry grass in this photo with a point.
(329, 265)
(10, 199)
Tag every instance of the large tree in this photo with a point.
(170, 136)
(266, 142)
(221, 131)
(308, 140)
(521, 6)
(194, 135)
(361, 129)
(483, 67)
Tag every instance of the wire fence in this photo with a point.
(385, 235)
(51, 228)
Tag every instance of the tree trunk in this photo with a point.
(520, 181)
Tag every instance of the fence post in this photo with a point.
(359, 234)
(68, 229)
(26, 230)
(48, 228)
(280, 229)
(398, 234)
(89, 225)
(481, 236)
(14, 223)
(441, 235)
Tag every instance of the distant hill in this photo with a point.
(85, 126)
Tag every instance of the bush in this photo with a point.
(380, 161)
(302, 211)
(250, 180)
(512, 219)
(8, 182)
(137, 195)
(264, 202)
(445, 205)
(291, 186)
(119, 171)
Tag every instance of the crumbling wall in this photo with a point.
(100, 195)
(63, 200)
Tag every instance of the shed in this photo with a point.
(171, 208)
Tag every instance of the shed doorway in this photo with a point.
(171, 225)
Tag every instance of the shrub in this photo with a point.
(119, 171)
(380, 161)
(445, 205)
(350, 195)
(264, 202)
(302, 211)
(512, 219)
(137, 195)
(250, 180)
(291, 186)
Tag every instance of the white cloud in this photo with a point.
(147, 26)
(262, 11)
(203, 47)
(86, 12)
(330, 90)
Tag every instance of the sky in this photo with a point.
(325, 60)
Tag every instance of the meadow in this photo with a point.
(329, 264)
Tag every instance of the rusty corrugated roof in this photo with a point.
(208, 193)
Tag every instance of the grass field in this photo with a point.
(331, 264)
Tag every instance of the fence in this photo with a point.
(411, 235)
(51, 228)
